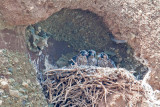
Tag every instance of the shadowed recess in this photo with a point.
(74, 30)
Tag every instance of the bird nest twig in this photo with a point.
(88, 86)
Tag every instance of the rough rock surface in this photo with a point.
(13, 39)
(134, 21)
(18, 84)
(25, 12)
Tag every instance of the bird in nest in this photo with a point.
(92, 61)
(105, 61)
(80, 59)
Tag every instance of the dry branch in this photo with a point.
(87, 86)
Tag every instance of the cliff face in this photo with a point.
(18, 83)
(132, 20)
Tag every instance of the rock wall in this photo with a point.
(13, 39)
(132, 20)
(18, 84)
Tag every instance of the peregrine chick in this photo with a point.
(99, 62)
(104, 61)
(82, 58)
(92, 61)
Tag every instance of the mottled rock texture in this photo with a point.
(132, 20)
(13, 39)
(18, 84)
(136, 21)
(20, 12)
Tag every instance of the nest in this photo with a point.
(84, 86)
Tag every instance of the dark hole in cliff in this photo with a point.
(74, 30)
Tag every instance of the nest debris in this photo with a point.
(90, 86)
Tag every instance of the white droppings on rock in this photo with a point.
(156, 77)
(1, 102)
(1, 91)
(8, 73)
(25, 84)
(1, 50)
(4, 84)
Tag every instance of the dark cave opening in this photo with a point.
(75, 30)
(72, 30)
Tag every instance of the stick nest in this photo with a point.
(86, 86)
